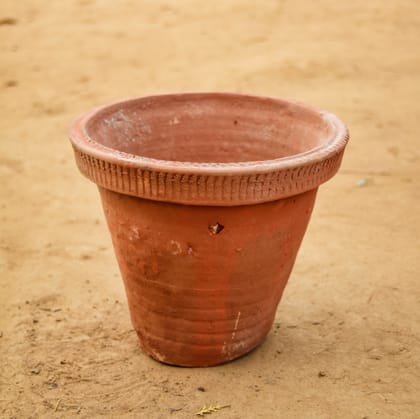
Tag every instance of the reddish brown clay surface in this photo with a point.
(345, 339)
(203, 282)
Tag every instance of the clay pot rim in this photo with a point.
(334, 145)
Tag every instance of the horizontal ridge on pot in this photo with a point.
(141, 148)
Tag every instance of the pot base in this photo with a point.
(182, 363)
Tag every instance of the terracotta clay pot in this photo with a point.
(207, 197)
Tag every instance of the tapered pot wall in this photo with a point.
(203, 283)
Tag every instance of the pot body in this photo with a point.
(207, 197)
(203, 283)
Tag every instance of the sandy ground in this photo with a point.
(346, 339)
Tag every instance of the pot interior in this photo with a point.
(209, 128)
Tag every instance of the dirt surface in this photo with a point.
(346, 339)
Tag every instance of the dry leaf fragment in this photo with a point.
(210, 409)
